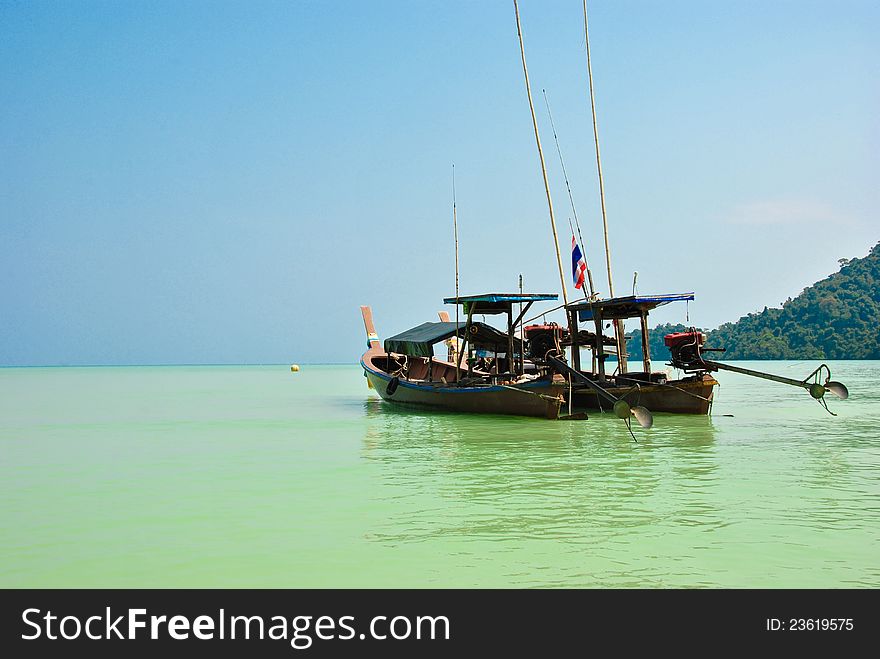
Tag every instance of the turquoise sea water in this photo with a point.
(255, 476)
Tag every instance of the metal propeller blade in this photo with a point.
(643, 416)
(838, 389)
(818, 391)
(624, 410)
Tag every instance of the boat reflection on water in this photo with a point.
(506, 479)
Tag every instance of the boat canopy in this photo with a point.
(418, 341)
(492, 303)
(632, 306)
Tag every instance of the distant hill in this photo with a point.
(836, 318)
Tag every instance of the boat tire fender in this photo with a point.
(392, 386)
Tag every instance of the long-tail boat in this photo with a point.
(529, 374)
(645, 390)
(654, 390)
(494, 379)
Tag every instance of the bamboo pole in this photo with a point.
(455, 232)
(467, 328)
(646, 347)
(618, 325)
(540, 153)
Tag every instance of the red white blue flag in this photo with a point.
(578, 264)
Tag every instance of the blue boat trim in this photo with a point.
(631, 306)
(501, 297)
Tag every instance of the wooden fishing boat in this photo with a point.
(691, 395)
(651, 391)
(654, 390)
(492, 380)
(624, 392)
(629, 393)
(529, 374)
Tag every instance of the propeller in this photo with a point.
(818, 391)
(624, 410)
(643, 416)
(838, 389)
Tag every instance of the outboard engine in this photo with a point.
(542, 339)
(686, 348)
(687, 354)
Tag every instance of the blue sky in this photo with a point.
(225, 182)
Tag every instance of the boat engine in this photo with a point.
(687, 354)
(686, 348)
(541, 339)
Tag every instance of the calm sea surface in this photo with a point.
(255, 476)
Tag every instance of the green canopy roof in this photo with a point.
(419, 341)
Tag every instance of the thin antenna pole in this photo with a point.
(570, 198)
(618, 325)
(522, 335)
(540, 153)
(455, 233)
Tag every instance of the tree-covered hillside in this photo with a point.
(836, 318)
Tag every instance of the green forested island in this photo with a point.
(836, 318)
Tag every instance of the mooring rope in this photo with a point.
(531, 393)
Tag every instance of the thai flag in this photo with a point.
(578, 264)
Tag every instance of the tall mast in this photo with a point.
(455, 233)
(618, 325)
(540, 154)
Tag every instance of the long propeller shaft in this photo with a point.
(816, 389)
(622, 409)
(758, 374)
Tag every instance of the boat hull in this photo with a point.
(690, 396)
(539, 398)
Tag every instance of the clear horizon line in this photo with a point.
(287, 364)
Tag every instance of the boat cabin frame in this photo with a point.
(493, 304)
(613, 309)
